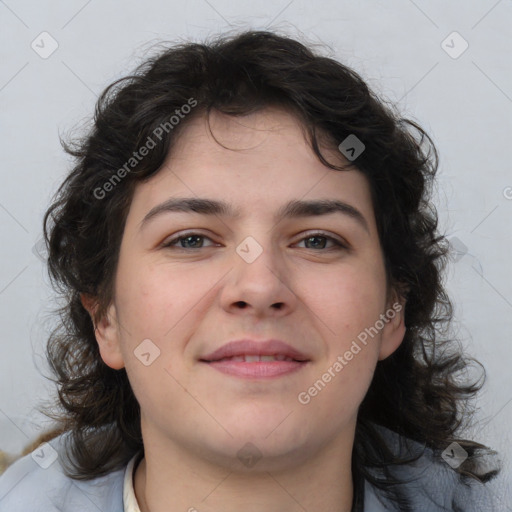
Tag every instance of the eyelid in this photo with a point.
(183, 234)
(335, 238)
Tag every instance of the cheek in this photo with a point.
(350, 301)
(151, 299)
(140, 301)
(161, 303)
(149, 311)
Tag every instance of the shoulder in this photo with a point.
(37, 482)
(432, 485)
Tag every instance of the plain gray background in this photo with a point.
(463, 98)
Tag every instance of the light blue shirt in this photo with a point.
(37, 483)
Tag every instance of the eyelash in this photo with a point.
(317, 234)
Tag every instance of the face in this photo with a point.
(190, 282)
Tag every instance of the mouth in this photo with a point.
(256, 360)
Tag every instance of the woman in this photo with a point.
(255, 312)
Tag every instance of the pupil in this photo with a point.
(317, 237)
(196, 238)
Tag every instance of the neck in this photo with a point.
(171, 479)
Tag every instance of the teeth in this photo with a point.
(257, 358)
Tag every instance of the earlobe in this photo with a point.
(393, 331)
(106, 332)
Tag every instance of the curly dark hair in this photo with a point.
(416, 392)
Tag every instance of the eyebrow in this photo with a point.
(292, 209)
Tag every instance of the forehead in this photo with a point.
(256, 162)
(255, 133)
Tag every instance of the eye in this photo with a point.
(192, 240)
(187, 241)
(314, 237)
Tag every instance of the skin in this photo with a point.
(191, 301)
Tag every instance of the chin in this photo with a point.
(243, 454)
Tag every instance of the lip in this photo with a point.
(256, 348)
(256, 369)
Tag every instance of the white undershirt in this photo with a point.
(129, 498)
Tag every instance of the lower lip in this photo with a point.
(257, 369)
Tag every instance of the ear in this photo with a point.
(393, 331)
(106, 332)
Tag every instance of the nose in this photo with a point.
(260, 287)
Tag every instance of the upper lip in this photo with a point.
(252, 347)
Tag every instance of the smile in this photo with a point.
(257, 358)
(252, 359)
(257, 366)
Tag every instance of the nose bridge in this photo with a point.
(257, 259)
(259, 277)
